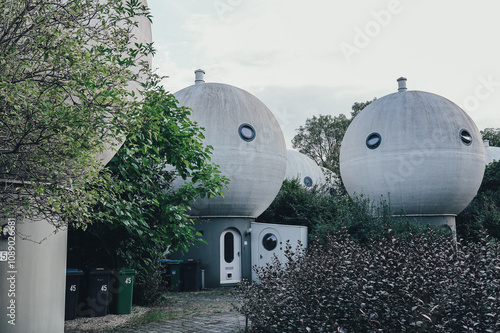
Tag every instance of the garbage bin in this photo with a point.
(174, 274)
(98, 291)
(191, 275)
(73, 277)
(123, 289)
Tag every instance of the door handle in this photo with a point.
(261, 256)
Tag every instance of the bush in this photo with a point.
(484, 211)
(298, 205)
(423, 283)
(149, 288)
(323, 211)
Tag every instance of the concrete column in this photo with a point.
(33, 280)
(445, 221)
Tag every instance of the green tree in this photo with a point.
(74, 81)
(321, 138)
(484, 210)
(492, 135)
(66, 69)
(358, 106)
(140, 214)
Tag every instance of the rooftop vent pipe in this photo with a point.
(402, 84)
(199, 76)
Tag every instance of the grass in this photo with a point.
(153, 315)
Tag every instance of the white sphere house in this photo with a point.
(492, 153)
(250, 149)
(417, 150)
(302, 167)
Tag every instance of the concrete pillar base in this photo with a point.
(33, 279)
(446, 221)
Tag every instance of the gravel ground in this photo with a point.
(175, 307)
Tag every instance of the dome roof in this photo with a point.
(142, 35)
(492, 153)
(300, 166)
(248, 143)
(418, 150)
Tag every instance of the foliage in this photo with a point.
(492, 135)
(357, 107)
(149, 286)
(323, 211)
(321, 138)
(69, 90)
(298, 205)
(484, 210)
(66, 68)
(422, 283)
(141, 216)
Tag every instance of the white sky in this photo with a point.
(305, 58)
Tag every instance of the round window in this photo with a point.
(308, 181)
(5, 231)
(247, 132)
(466, 137)
(270, 241)
(373, 140)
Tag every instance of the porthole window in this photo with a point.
(270, 241)
(247, 132)
(466, 137)
(373, 140)
(308, 181)
(5, 231)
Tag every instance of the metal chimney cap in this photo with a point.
(199, 76)
(402, 84)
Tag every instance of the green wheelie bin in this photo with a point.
(123, 289)
(174, 271)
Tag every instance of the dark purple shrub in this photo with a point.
(421, 283)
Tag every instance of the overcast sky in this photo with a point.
(305, 58)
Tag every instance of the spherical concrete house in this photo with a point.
(417, 150)
(250, 149)
(300, 166)
(492, 153)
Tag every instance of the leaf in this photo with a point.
(427, 317)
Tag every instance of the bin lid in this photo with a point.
(192, 261)
(99, 270)
(125, 270)
(174, 262)
(73, 271)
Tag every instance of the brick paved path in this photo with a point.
(221, 323)
(229, 322)
(206, 311)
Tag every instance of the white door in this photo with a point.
(230, 256)
(270, 243)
